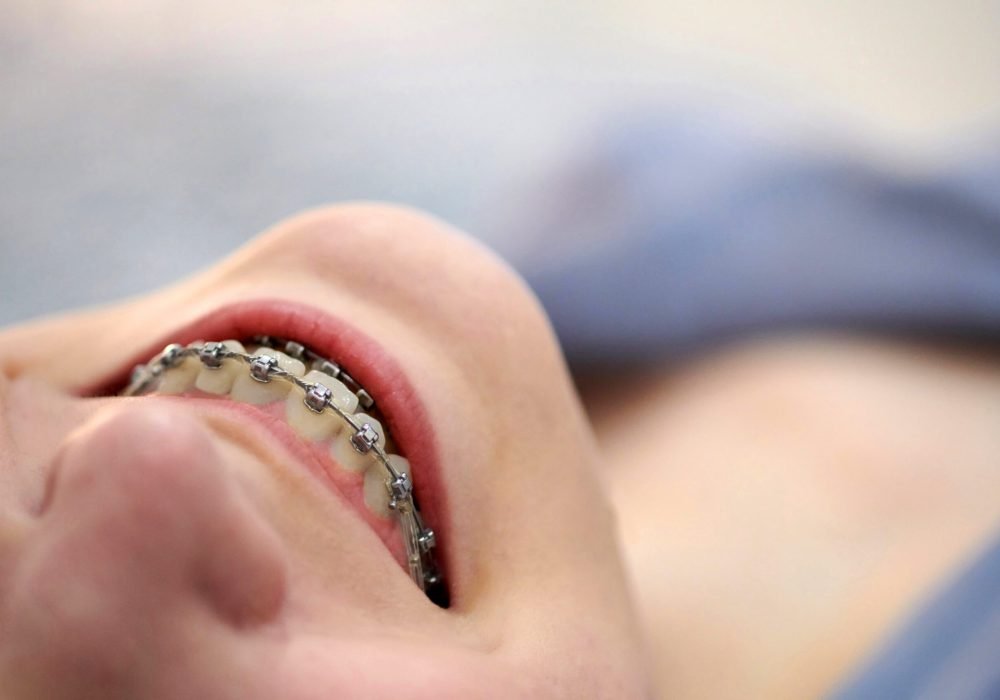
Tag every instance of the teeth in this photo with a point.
(318, 407)
(342, 448)
(181, 377)
(244, 383)
(376, 493)
(249, 390)
(319, 426)
(220, 380)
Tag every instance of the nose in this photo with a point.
(143, 525)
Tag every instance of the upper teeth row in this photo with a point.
(175, 369)
(300, 352)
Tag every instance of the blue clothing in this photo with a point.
(684, 234)
(694, 235)
(950, 649)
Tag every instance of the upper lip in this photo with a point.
(365, 359)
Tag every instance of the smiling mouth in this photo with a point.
(324, 406)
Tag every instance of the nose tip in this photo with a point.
(143, 522)
(149, 491)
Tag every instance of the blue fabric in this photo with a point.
(951, 649)
(693, 235)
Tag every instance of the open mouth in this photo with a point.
(342, 397)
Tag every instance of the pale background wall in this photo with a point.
(143, 139)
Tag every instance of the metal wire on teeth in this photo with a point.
(419, 540)
(315, 361)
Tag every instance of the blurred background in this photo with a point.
(142, 140)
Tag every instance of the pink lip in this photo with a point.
(363, 358)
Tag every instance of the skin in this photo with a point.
(811, 492)
(154, 548)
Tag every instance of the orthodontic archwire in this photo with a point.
(419, 540)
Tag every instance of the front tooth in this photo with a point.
(318, 426)
(246, 389)
(219, 380)
(376, 491)
(342, 449)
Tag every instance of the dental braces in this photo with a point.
(418, 539)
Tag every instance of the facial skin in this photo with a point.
(158, 548)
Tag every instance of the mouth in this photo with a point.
(314, 379)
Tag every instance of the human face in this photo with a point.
(189, 546)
